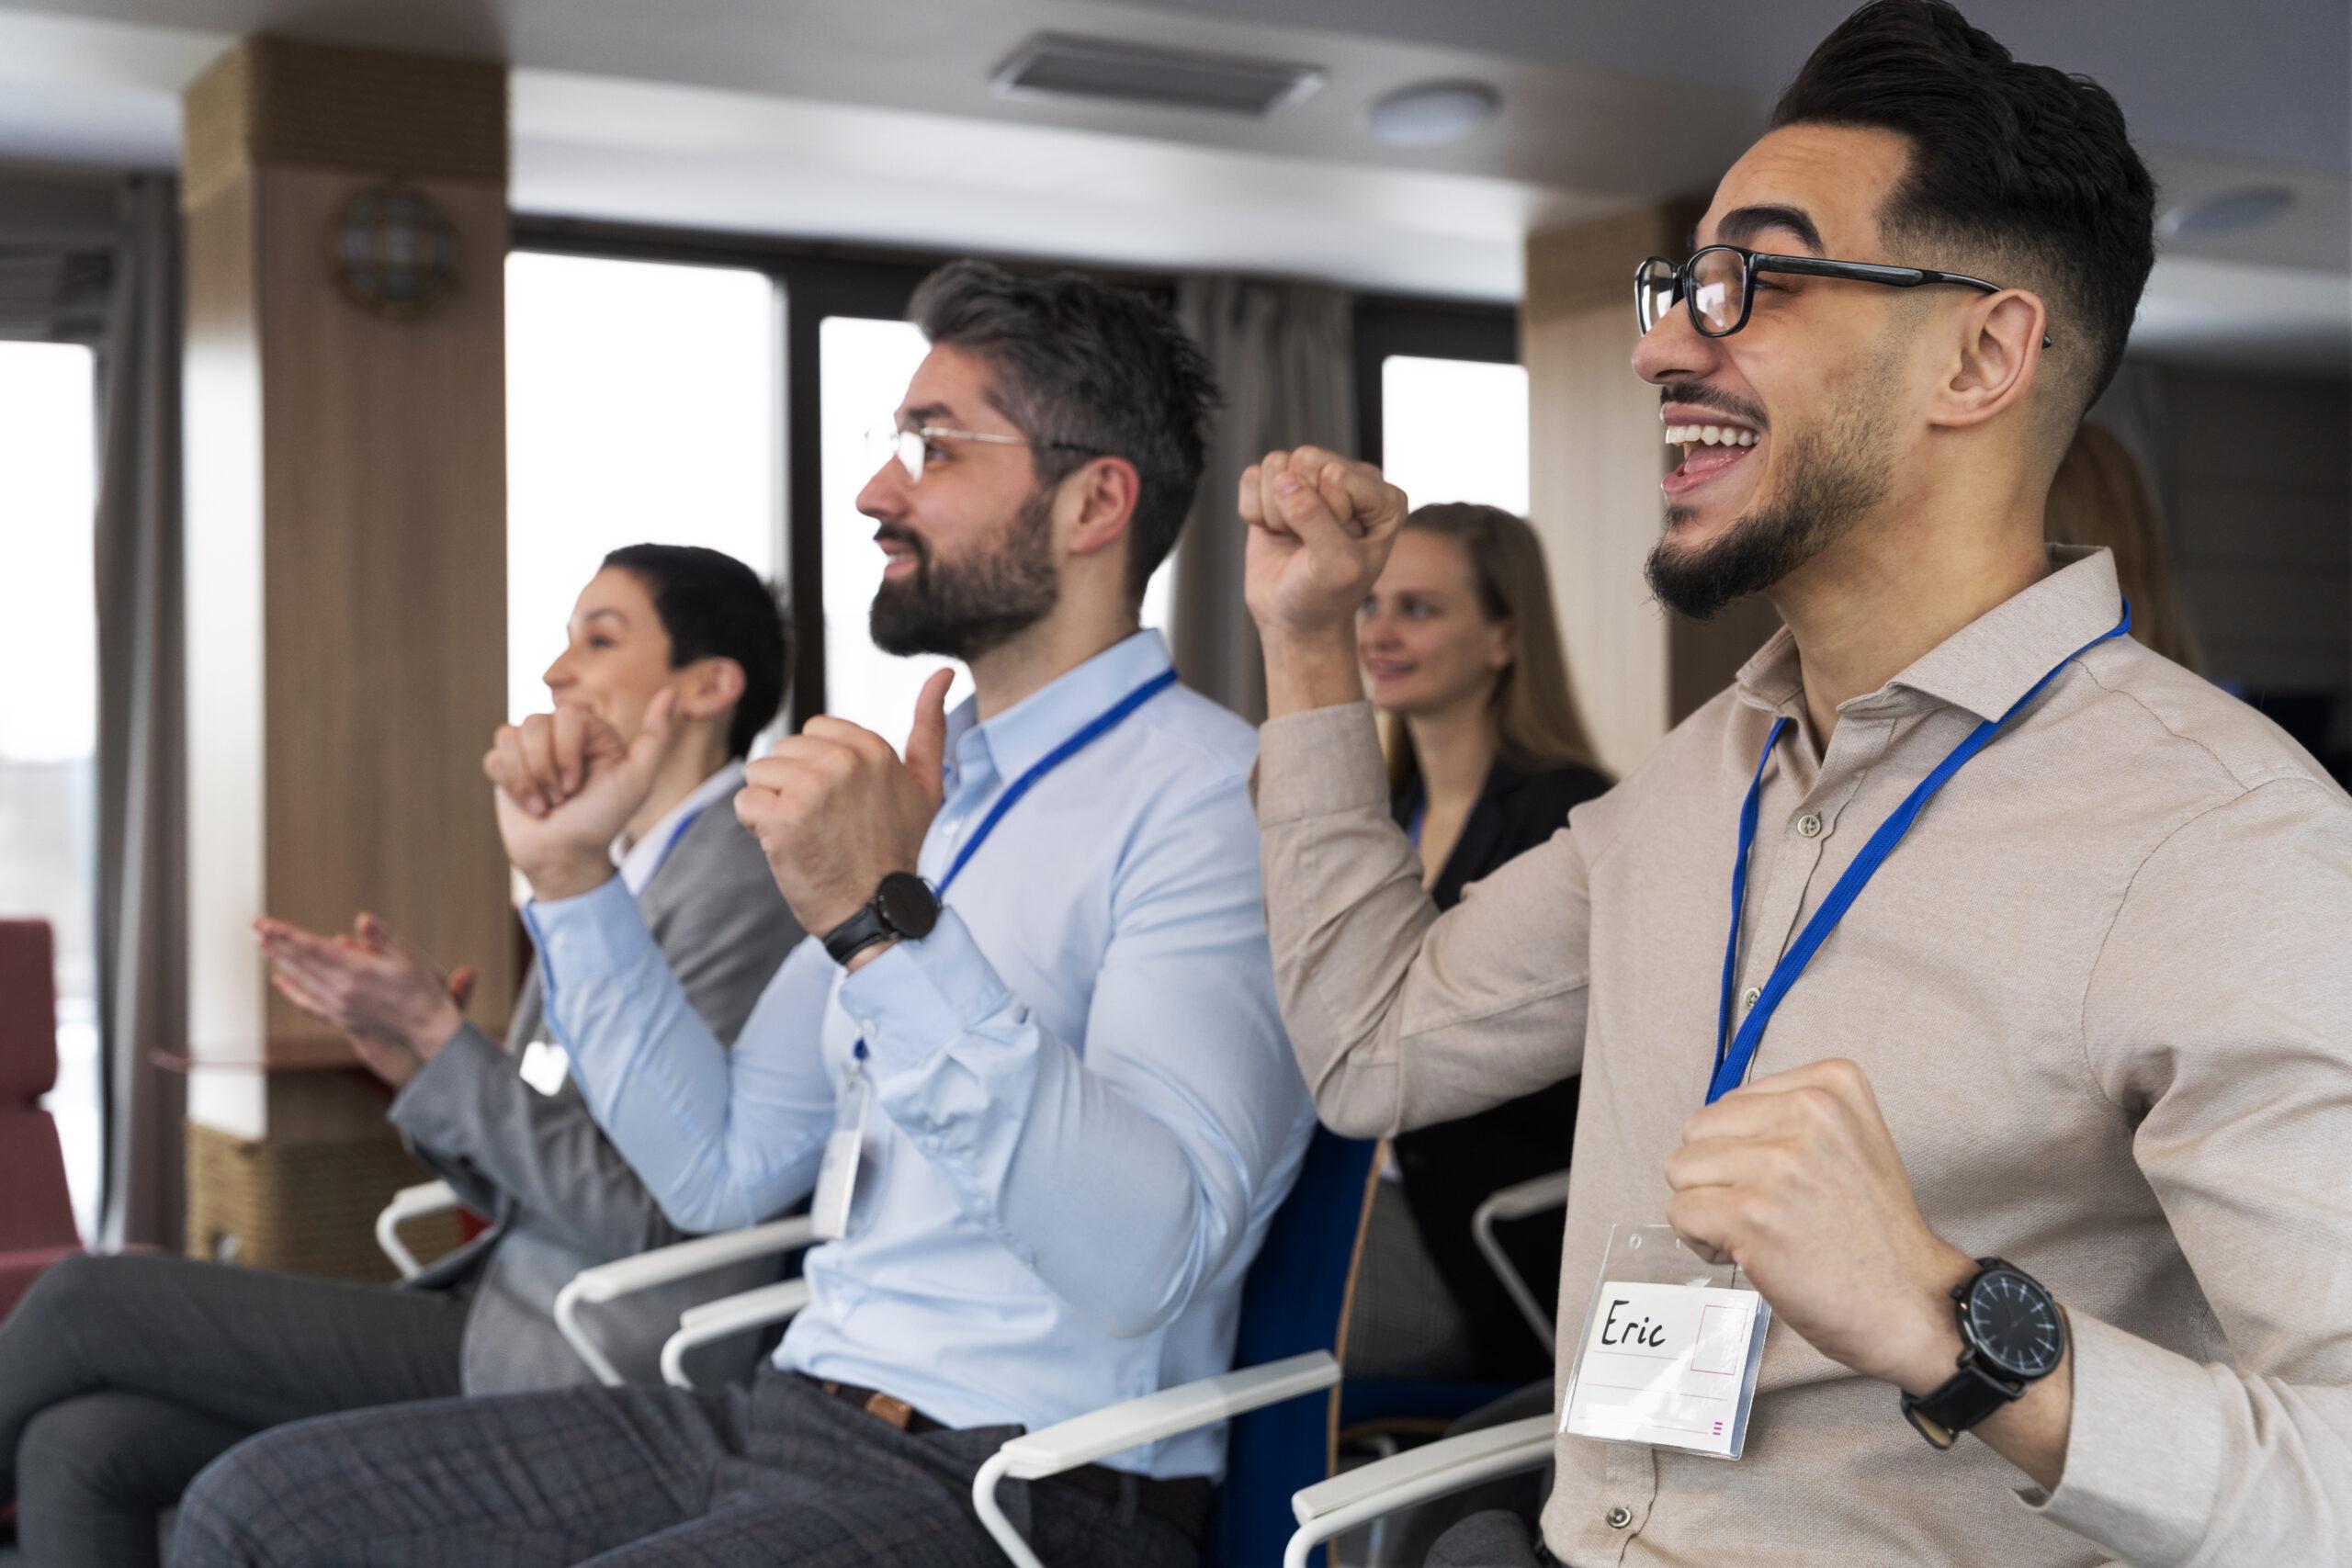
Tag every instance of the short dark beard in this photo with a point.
(1831, 477)
(967, 609)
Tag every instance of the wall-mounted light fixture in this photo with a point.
(394, 251)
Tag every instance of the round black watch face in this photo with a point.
(2014, 1323)
(908, 904)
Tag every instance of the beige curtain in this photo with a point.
(143, 915)
(1284, 353)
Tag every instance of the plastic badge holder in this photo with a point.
(1670, 1348)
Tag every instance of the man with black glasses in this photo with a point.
(1971, 978)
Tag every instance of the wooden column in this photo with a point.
(345, 513)
(1595, 456)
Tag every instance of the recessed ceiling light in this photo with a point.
(2226, 212)
(1429, 114)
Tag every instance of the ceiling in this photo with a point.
(874, 120)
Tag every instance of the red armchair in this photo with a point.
(35, 1214)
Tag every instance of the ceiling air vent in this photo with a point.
(1057, 65)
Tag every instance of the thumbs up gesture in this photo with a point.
(568, 783)
(836, 809)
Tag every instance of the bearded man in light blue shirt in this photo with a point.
(1075, 1102)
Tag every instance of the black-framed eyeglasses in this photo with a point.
(1718, 284)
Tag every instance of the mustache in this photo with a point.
(890, 533)
(1706, 397)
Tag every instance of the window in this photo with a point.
(1455, 430)
(1441, 401)
(640, 408)
(49, 667)
(863, 365)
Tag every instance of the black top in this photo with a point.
(1452, 1167)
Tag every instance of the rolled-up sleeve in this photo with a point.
(2219, 1017)
(1402, 1017)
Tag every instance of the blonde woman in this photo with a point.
(1461, 654)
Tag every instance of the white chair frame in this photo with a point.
(410, 1203)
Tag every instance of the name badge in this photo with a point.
(829, 1211)
(1670, 1350)
(544, 1066)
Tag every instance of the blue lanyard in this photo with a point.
(1733, 1052)
(1103, 725)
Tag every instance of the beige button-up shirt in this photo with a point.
(2103, 991)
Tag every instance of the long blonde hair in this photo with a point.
(2100, 497)
(1535, 710)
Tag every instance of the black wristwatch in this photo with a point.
(2012, 1336)
(904, 906)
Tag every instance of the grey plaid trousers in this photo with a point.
(637, 1477)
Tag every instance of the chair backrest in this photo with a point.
(35, 1210)
(1295, 1300)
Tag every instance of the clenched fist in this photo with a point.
(1796, 1179)
(568, 783)
(837, 811)
(1320, 529)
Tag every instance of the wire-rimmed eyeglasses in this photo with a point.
(912, 446)
(1718, 284)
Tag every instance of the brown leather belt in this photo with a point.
(1185, 1503)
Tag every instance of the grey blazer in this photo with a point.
(559, 1195)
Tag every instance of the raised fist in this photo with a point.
(1320, 529)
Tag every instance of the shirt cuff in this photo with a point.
(598, 933)
(920, 998)
(1319, 763)
(2145, 1449)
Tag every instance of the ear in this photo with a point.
(1502, 646)
(1106, 490)
(708, 687)
(1998, 361)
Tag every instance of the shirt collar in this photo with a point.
(641, 860)
(1024, 734)
(1989, 664)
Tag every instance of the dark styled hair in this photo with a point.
(1100, 370)
(714, 606)
(2022, 171)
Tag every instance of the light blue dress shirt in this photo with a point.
(1085, 1110)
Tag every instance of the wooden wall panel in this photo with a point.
(384, 492)
(346, 541)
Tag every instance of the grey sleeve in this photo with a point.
(470, 1109)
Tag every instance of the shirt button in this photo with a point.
(1749, 998)
(1619, 1517)
(1810, 824)
(865, 1028)
(931, 1143)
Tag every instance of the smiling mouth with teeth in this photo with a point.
(1690, 437)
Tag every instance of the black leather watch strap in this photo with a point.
(903, 906)
(857, 933)
(1964, 1399)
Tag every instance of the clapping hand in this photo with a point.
(391, 1002)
